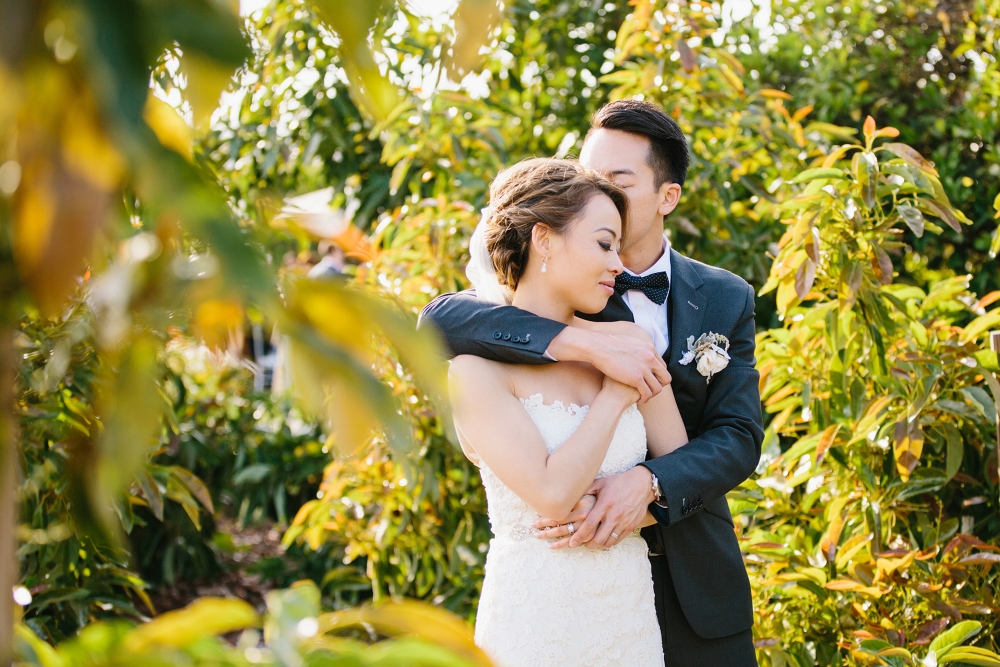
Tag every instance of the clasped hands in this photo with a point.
(612, 508)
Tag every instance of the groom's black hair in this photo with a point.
(668, 149)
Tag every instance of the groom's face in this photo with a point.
(623, 157)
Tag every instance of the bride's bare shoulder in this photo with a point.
(630, 329)
(468, 368)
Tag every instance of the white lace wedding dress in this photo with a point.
(575, 607)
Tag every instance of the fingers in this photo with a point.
(603, 539)
(585, 531)
(596, 487)
(662, 374)
(560, 544)
(645, 392)
(561, 531)
(652, 381)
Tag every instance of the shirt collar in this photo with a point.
(662, 264)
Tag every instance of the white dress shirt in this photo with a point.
(648, 315)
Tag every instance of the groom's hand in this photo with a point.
(559, 529)
(629, 360)
(622, 501)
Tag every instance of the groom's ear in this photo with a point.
(670, 195)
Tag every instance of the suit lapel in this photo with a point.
(687, 310)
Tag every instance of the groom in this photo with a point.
(702, 591)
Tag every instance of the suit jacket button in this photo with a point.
(497, 335)
(515, 339)
(506, 336)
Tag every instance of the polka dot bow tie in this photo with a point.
(655, 286)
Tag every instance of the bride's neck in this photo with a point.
(533, 296)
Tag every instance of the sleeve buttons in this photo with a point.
(506, 336)
(497, 335)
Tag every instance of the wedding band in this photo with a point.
(614, 535)
(570, 527)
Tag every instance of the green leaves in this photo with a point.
(815, 174)
(953, 636)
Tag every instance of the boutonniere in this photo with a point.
(710, 351)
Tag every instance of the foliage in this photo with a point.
(416, 180)
(72, 577)
(257, 456)
(294, 633)
(860, 527)
(80, 125)
(874, 518)
(927, 68)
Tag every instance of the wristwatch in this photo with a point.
(658, 498)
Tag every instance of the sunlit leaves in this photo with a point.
(474, 21)
(353, 22)
(131, 407)
(205, 617)
(168, 126)
(70, 173)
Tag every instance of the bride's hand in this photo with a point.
(558, 529)
(627, 394)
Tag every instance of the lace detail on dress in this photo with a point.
(572, 607)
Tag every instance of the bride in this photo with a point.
(542, 434)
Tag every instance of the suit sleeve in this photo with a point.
(500, 333)
(727, 449)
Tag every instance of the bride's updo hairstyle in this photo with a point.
(539, 190)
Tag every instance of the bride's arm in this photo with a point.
(492, 421)
(665, 430)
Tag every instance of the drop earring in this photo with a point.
(544, 262)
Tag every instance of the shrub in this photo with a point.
(865, 531)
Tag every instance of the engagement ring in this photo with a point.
(569, 526)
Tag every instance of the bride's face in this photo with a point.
(583, 260)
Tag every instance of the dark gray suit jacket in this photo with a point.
(723, 421)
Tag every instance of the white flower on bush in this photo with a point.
(710, 352)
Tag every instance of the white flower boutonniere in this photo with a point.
(710, 351)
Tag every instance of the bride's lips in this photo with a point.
(609, 287)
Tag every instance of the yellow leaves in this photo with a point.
(89, 154)
(130, 408)
(218, 322)
(374, 93)
(774, 94)
(870, 420)
(826, 441)
(168, 126)
(886, 566)
(474, 21)
(733, 79)
(206, 80)
(205, 617)
(801, 113)
(35, 218)
(411, 619)
(69, 174)
(908, 446)
(831, 538)
(981, 324)
(844, 584)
